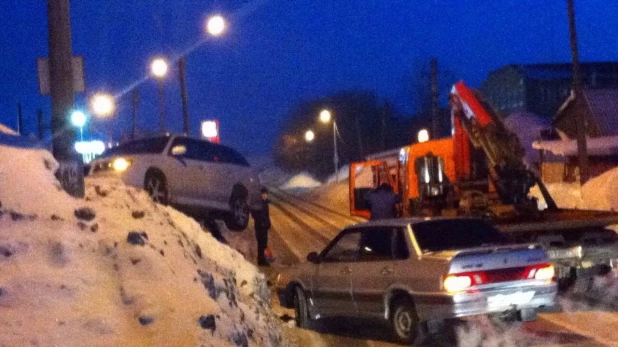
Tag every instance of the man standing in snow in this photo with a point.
(383, 202)
(261, 218)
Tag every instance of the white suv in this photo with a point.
(193, 175)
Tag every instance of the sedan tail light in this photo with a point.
(462, 281)
(543, 272)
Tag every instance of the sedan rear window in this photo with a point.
(441, 235)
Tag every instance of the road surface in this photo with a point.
(301, 226)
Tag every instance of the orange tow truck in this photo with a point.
(479, 171)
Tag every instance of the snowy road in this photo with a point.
(302, 226)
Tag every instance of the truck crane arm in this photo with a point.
(502, 148)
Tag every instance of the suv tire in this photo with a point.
(155, 184)
(404, 321)
(301, 311)
(238, 217)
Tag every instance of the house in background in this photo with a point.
(600, 110)
(541, 88)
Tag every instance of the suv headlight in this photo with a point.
(120, 164)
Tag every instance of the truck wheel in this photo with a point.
(238, 217)
(404, 321)
(300, 308)
(156, 186)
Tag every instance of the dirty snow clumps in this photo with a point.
(116, 269)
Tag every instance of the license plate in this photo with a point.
(505, 300)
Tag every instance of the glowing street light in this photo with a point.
(78, 119)
(325, 116)
(215, 25)
(309, 136)
(158, 68)
(423, 136)
(102, 105)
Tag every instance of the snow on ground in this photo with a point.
(600, 193)
(115, 269)
(301, 180)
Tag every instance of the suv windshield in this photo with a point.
(441, 235)
(145, 146)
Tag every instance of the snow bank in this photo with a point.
(115, 269)
(6, 130)
(600, 193)
(302, 180)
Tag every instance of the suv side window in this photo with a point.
(145, 146)
(228, 155)
(194, 149)
(344, 248)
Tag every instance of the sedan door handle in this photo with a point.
(346, 271)
(386, 271)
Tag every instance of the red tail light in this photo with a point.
(464, 280)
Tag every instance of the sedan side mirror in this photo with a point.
(313, 257)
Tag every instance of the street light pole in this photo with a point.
(70, 173)
(183, 95)
(161, 105)
(158, 68)
(335, 153)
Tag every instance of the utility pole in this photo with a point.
(580, 120)
(70, 172)
(39, 116)
(161, 106)
(20, 119)
(434, 98)
(134, 113)
(183, 95)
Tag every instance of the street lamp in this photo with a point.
(309, 136)
(423, 136)
(78, 119)
(325, 117)
(158, 68)
(215, 25)
(102, 105)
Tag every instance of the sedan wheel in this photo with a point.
(156, 186)
(404, 321)
(300, 308)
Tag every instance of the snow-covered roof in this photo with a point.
(598, 146)
(603, 107)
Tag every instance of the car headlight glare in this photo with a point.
(120, 164)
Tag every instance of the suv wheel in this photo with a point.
(300, 308)
(156, 186)
(238, 218)
(404, 321)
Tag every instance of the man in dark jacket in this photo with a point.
(383, 202)
(261, 220)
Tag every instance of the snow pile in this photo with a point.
(115, 269)
(302, 180)
(6, 130)
(600, 193)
